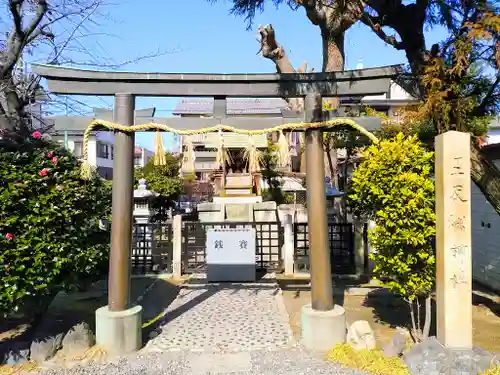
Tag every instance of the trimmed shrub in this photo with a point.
(50, 232)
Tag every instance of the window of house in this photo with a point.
(102, 150)
(112, 153)
(138, 160)
(78, 149)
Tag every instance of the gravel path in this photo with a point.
(225, 317)
(291, 361)
(219, 329)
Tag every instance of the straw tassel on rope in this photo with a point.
(252, 156)
(159, 157)
(189, 157)
(219, 160)
(86, 169)
(283, 151)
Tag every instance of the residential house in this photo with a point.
(69, 130)
(142, 156)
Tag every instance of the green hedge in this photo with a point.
(50, 237)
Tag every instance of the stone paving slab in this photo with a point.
(224, 317)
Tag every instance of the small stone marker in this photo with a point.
(231, 255)
(360, 335)
(453, 240)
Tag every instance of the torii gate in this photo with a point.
(118, 325)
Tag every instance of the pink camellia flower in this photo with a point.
(36, 134)
(54, 160)
(9, 236)
(43, 172)
(50, 154)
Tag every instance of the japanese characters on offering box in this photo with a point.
(231, 246)
(219, 244)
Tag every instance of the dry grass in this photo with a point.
(372, 361)
(384, 315)
(492, 371)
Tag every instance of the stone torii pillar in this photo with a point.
(118, 325)
(323, 323)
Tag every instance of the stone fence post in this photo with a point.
(288, 245)
(177, 246)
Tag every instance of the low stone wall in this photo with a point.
(210, 212)
(236, 212)
(297, 211)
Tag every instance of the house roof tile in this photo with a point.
(234, 106)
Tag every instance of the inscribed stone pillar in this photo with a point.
(453, 240)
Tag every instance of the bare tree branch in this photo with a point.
(35, 22)
(315, 10)
(50, 31)
(370, 21)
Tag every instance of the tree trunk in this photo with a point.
(414, 328)
(328, 160)
(12, 110)
(333, 61)
(486, 176)
(483, 172)
(303, 153)
(332, 163)
(333, 58)
(343, 199)
(428, 318)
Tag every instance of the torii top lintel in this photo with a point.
(361, 82)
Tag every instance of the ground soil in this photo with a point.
(385, 313)
(382, 311)
(69, 309)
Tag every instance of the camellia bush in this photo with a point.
(394, 187)
(50, 232)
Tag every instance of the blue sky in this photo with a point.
(204, 37)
